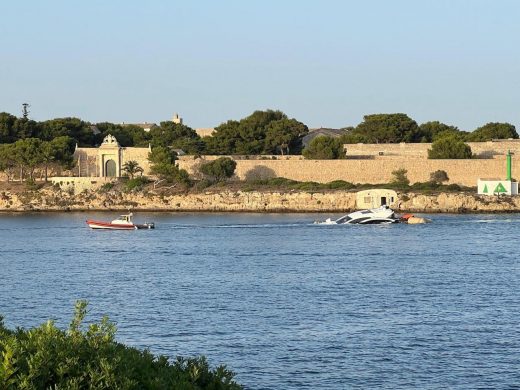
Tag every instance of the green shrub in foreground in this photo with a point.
(46, 357)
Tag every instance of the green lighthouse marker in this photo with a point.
(508, 159)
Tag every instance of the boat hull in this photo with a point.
(110, 226)
(373, 221)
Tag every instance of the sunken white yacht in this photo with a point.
(380, 215)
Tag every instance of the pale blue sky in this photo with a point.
(326, 63)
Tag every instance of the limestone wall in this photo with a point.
(86, 162)
(402, 149)
(79, 184)
(138, 154)
(488, 149)
(463, 172)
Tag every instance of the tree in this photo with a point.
(64, 148)
(47, 156)
(6, 127)
(7, 160)
(439, 177)
(28, 154)
(132, 168)
(122, 133)
(400, 179)
(159, 157)
(162, 164)
(385, 128)
(220, 169)
(324, 148)
(25, 128)
(178, 136)
(260, 132)
(72, 127)
(492, 131)
(429, 131)
(460, 135)
(449, 147)
(59, 151)
(284, 135)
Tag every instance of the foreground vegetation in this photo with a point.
(49, 358)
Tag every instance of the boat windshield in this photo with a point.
(343, 219)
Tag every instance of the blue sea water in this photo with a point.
(286, 304)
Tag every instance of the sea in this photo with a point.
(283, 302)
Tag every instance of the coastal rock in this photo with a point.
(247, 201)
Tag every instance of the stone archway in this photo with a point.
(110, 168)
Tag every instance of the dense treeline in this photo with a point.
(21, 158)
(262, 132)
(394, 128)
(448, 142)
(84, 133)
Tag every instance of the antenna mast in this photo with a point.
(25, 110)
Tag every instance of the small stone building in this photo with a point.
(369, 199)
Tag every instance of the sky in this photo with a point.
(326, 63)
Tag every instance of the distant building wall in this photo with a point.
(205, 132)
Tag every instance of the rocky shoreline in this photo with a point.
(245, 201)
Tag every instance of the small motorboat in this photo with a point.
(380, 215)
(124, 222)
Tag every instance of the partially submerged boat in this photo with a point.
(376, 216)
(380, 215)
(123, 222)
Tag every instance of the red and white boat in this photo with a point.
(124, 222)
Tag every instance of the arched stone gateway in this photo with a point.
(110, 168)
(108, 160)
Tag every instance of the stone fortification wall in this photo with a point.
(138, 154)
(86, 162)
(402, 149)
(489, 149)
(463, 172)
